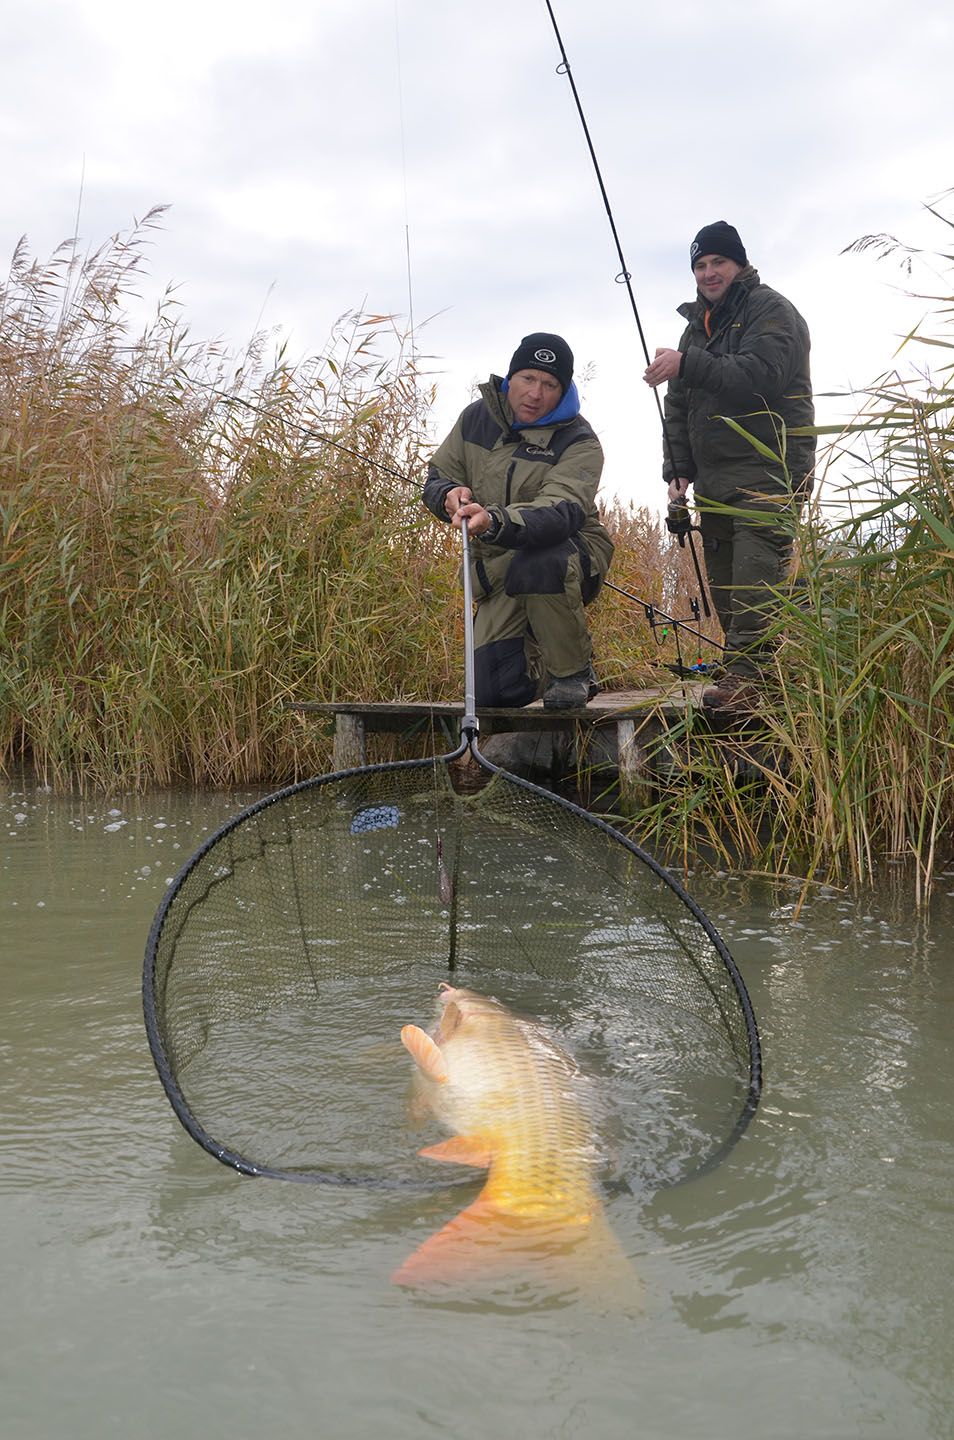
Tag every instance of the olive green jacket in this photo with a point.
(754, 368)
(538, 483)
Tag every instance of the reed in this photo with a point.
(189, 542)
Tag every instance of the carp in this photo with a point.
(518, 1107)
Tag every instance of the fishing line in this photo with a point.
(307, 432)
(625, 278)
(446, 886)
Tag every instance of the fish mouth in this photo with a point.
(451, 1014)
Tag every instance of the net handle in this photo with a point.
(469, 725)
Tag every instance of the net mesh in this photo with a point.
(295, 944)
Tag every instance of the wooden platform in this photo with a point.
(638, 717)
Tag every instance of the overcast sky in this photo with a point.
(304, 146)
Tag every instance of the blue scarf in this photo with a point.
(568, 407)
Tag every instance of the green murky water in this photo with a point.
(806, 1287)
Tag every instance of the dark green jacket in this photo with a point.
(754, 368)
(540, 483)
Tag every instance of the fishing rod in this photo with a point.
(676, 523)
(307, 432)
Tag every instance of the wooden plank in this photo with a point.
(637, 718)
(393, 716)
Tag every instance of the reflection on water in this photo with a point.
(803, 1287)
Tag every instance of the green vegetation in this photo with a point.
(191, 541)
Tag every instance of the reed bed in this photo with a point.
(188, 542)
(192, 540)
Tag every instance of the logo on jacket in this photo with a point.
(531, 450)
(547, 356)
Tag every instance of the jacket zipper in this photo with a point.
(511, 469)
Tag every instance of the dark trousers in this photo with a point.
(748, 551)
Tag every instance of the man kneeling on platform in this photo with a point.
(522, 467)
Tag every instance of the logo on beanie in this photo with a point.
(546, 357)
(693, 249)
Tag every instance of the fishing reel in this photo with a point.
(679, 521)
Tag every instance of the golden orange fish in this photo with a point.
(519, 1108)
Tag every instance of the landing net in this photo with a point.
(298, 940)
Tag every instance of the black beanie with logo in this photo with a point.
(541, 351)
(720, 238)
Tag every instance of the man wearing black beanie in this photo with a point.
(743, 357)
(521, 468)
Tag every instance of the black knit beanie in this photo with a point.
(720, 238)
(544, 352)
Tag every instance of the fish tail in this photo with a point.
(482, 1241)
(456, 1252)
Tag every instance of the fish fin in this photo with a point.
(426, 1054)
(461, 1150)
(453, 1253)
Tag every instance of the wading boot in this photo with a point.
(570, 692)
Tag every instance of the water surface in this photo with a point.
(805, 1287)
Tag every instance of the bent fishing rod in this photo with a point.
(677, 523)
